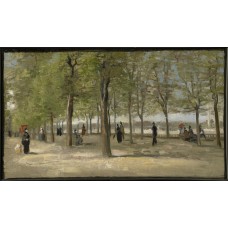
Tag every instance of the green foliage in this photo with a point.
(35, 88)
(38, 83)
(196, 79)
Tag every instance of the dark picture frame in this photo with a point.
(109, 49)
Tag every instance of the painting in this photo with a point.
(114, 113)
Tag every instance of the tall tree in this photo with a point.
(129, 71)
(71, 78)
(108, 69)
(105, 72)
(163, 82)
(193, 84)
(100, 66)
(142, 83)
(214, 62)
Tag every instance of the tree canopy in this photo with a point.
(51, 85)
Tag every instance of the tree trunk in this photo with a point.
(45, 131)
(209, 117)
(141, 119)
(218, 138)
(98, 124)
(98, 120)
(87, 124)
(109, 121)
(167, 124)
(105, 134)
(38, 131)
(52, 128)
(114, 108)
(10, 126)
(197, 127)
(69, 120)
(90, 126)
(129, 113)
(115, 122)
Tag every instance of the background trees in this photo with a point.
(163, 81)
(35, 90)
(41, 88)
(214, 64)
(129, 71)
(194, 87)
(202, 80)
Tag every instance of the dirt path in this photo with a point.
(170, 158)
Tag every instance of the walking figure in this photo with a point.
(41, 134)
(122, 129)
(154, 134)
(26, 141)
(83, 130)
(119, 134)
(201, 131)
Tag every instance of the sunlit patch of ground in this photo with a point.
(170, 158)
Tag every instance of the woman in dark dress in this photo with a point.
(119, 134)
(26, 141)
(83, 130)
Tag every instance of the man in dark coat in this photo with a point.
(122, 129)
(154, 134)
(26, 141)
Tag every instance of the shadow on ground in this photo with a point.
(135, 155)
(33, 153)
